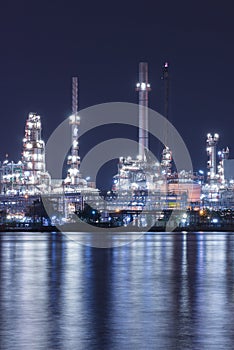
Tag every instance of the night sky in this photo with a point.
(45, 43)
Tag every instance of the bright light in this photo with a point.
(215, 221)
(74, 118)
(143, 86)
(75, 143)
(40, 144)
(134, 185)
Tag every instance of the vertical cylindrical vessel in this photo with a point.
(143, 87)
(211, 152)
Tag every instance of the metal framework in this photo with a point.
(73, 159)
(36, 179)
(166, 154)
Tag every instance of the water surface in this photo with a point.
(163, 291)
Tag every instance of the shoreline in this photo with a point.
(122, 229)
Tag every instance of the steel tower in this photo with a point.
(74, 121)
(166, 154)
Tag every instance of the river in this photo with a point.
(162, 291)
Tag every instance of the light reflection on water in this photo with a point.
(163, 291)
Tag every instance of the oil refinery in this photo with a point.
(140, 182)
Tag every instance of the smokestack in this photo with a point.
(143, 87)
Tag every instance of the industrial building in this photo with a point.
(28, 176)
(140, 181)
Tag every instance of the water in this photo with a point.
(163, 291)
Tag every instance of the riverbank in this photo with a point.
(75, 228)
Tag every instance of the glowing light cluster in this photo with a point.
(143, 86)
(74, 119)
(34, 172)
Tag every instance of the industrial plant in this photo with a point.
(141, 183)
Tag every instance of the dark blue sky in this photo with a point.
(45, 43)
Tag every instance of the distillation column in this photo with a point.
(36, 178)
(211, 152)
(143, 87)
(223, 155)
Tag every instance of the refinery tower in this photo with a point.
(73, 176)
(74, 181)
(36, 178)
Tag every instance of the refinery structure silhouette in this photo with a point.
(23, 182)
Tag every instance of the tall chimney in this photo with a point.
(143, 87)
